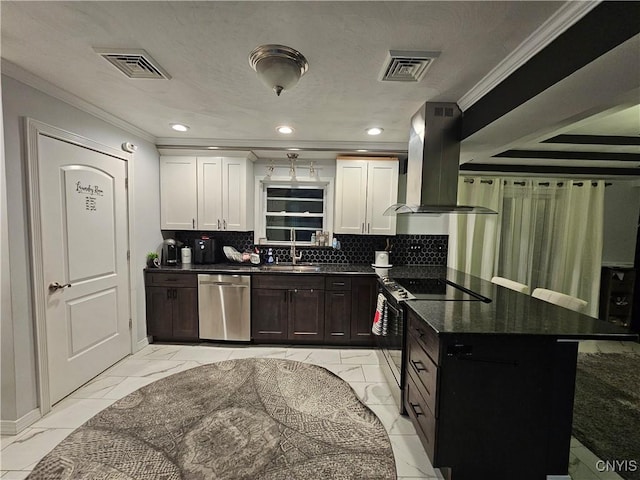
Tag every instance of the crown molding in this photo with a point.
(18, 73)
(566, 16)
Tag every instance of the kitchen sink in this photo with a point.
(289, 267)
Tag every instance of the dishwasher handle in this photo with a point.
(224, 284)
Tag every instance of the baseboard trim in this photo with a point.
(142, 343)
(13, 427)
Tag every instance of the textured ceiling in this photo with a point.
(204, 46)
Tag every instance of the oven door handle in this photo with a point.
(397, 311)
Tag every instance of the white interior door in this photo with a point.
(83, 206)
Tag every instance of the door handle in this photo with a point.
(175, 293)
(218, 224)
(56, 286)
(362, 227)
(368, 228)
(193, 223)
(224, 224)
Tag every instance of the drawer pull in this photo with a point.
(339, 284)
(416, 409)
(419, 366)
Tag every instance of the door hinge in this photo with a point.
(128, 255)
(130, 324)
(126, 182)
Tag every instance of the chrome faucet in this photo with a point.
(294, 258)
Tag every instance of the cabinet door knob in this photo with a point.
(218, 224)
(224, 224)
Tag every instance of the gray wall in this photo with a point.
(19, 394)
(621, 207)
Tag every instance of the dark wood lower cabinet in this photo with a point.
(172, 306)
(331, 309)
(364, 295)
(287, 308)
(269, 314)
(337, 316)
(306, 315)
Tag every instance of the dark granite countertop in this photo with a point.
(509, 313)
(246, 268)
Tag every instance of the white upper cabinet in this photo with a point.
(210, 193)
(216, 194)
(178, 193)
(365, 188)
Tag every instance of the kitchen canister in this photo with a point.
(186, 255)
(382, 258)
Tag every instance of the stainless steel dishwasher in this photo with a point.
(224, 307)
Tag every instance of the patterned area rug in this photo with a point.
(238, 419)
(606, 417)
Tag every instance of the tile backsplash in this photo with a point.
(405, 249)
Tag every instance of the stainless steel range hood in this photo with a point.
(433, 163)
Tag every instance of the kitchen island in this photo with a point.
(490, 386)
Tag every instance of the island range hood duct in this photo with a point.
(433, 163)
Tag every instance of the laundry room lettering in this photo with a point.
(89, 189)
(91, 192)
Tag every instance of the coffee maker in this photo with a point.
(204, 251)
(169, 252)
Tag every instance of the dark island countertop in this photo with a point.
(508, 313)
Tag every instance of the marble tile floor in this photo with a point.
(359, 367)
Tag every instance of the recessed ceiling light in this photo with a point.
(293, 149)
(361, 150)
(374, 131)
(178, 127)
(284, 129)
(213, 148)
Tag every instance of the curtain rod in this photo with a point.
(546, 184)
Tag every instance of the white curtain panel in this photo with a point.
(551, 236)
(474, 240)
(578, 232)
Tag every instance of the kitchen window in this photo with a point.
(303, 207)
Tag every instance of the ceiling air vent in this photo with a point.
(406, 66)
(133, 63)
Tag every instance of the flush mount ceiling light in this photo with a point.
(285, 129)
(178, 127)
(374, 131)
(279, 67)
